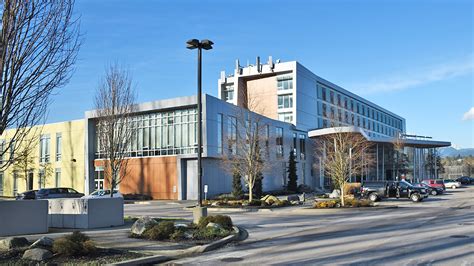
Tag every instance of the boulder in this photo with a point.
(37, 254)
(292, 198)
(44, 241)
(181, 226)
(335, 194)
(214, 225)
(142, 224)
(13, 242)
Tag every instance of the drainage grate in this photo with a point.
(459, 236)
(231, 259)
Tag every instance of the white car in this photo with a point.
(102, 194)
(449, 183)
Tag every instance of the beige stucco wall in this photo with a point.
(71, 163)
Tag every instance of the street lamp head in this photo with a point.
(192, 44)
(206, 44)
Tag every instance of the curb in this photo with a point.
(238, 235)
(374, 208)
(136, 202)
(240, 210)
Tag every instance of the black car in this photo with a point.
(431, 190)
(27, 195)
(465, 180)
(376, 190)
(56, 193)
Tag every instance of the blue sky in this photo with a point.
(415, 58)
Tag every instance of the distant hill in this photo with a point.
(452, 152)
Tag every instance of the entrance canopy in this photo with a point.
(407, 141)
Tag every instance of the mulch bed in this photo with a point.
(103, 256)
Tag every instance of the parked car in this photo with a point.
(431, 190)
(27, 195)
(435, 183)
(56, 193)
(465, 180)
(451, 183)
(377, 190)
(102, 194)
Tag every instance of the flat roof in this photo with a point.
(417, 143)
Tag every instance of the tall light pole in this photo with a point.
(206, 45)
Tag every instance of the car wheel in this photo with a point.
(415, 197)
(373, 197)
(453, 187)
(434, 192)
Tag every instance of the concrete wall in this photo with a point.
(85, 213)
(23, 217)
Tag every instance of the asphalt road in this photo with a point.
(438, 231)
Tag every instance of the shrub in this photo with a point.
(210, 233)
(178, 234)
(74, 245)
(222, 220)
(160, 231)
(326, 204)
(255, 202)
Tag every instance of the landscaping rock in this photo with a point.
(37, 254)
(214, 225)
(43, 242)
(292, 198)
(142, 224)
(181, 226)
(335, 194)
(13, 242)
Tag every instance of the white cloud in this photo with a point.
(469, 115)
(414, 78)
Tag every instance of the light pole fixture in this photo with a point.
(206, 45)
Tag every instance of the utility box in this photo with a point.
(85, 213)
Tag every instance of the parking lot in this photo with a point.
(439, 230)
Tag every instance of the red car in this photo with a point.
(438, 183)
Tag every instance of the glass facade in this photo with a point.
(219, 133)
(337, 109)
(162, 133)
(228, 92)
(279, 142)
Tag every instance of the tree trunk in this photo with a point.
(250, 193)
(342, 195)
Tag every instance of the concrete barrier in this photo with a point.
(85, 213)
(21, 217)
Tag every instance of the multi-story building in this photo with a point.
(51, 155)
(162, 158)
(289, 92)
(294, 105)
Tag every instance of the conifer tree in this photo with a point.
(292, 176)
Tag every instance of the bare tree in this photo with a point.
(398, 146)
(39, 41)
(24, 160)
(344, 154)
(245, 151)
(115, 102)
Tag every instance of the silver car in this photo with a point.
(449, 183)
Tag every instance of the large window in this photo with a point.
(285, 83)
(58, 146)
(57, 177)
(1, 183)
(15, 182)
(302, 147)
(219, 133)
(285, 101)
(286, 117)
(2, 151)
(163, 133)
(232, 135)
(45, 148)
(228, 92)
(279, 141)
